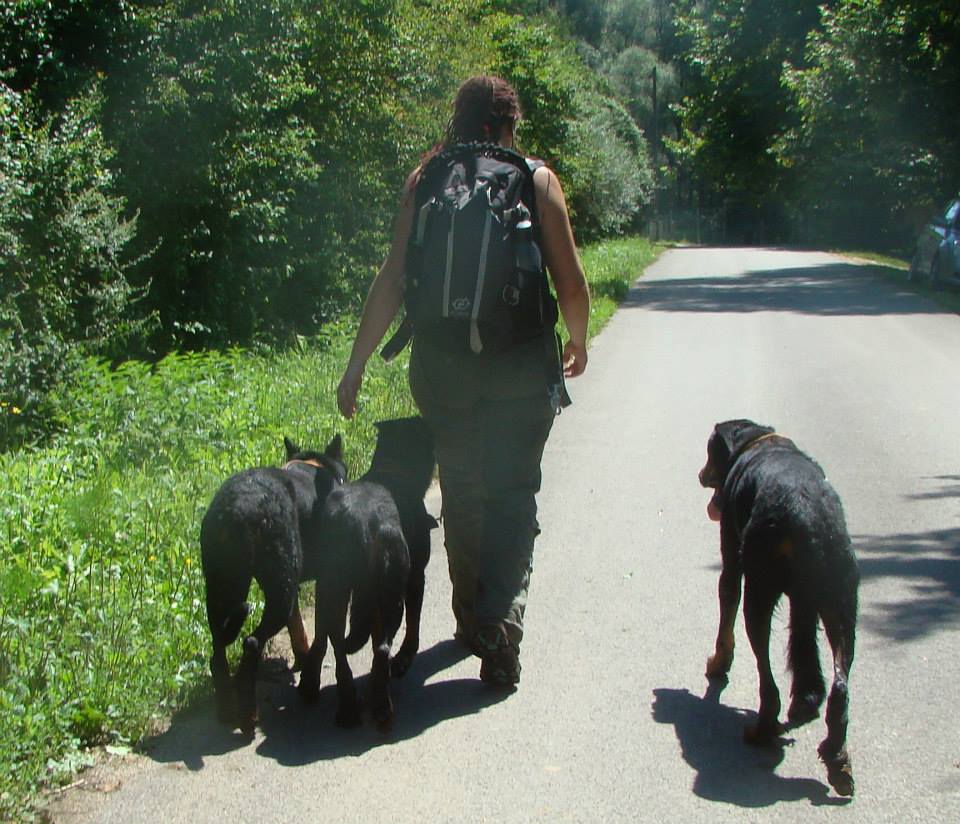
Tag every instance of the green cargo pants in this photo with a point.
(491, 416)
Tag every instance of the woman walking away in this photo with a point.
(476, 225)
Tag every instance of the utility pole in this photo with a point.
(655, 151)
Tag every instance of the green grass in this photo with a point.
(611, 267)
(102, 619)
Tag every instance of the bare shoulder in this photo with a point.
(410, 186)
(551, 203)
(544, 179)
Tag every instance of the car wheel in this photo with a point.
(933, 276)
(913, 273)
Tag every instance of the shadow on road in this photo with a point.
(929, 565)
(194, 731)
(836, 289)
(728, 770)
(295, 733)
(949, 488)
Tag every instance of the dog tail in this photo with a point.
(361, 617)
(233, 623)
(379, 589)
(393, 586)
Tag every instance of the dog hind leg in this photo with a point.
(393, 579)
(298, 636)
(807, 690)
(381, 702)
(759, 602)
(309, 686)
(226, 611)
(335, 611)
(276, 613)
(841, 630)
(414, 605)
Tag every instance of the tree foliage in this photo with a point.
(254, 137)
(821, 122)
(878, 135)
(241, 159)
(736, 106)
(63, 254)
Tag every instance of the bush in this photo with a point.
(64, 291)
(258, 141)
(574, 124)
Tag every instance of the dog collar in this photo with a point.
(308, 461)
(754, 443)
(316, 464)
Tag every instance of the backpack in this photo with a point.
(474, 273)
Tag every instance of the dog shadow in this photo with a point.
(729, 770)
(195, 732)
(296, 734)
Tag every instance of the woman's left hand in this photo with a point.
(574, 359)
(348, 390)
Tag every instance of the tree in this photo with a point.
(64, 260)
(256, 140)
(735, 107)
(878, 141)
(572, 122)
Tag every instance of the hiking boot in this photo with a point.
(499, 661)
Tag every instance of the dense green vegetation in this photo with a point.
(187, 174)
(102, 621)
(184, 175)
(822, 123)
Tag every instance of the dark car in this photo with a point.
(937, 257)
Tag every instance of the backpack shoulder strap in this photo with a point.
(466, 151)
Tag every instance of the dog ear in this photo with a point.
(291, 447)
(335, 448)
(738, 433)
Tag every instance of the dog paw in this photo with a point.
(400, 664)
(839, 769)
(383, 718)
(804, 708)
(247, 723)
(348, 718)
(309, 690)
(762, 735)
(718, 665)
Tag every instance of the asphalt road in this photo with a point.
(614, 720)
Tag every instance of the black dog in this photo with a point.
(782, 530)
(376, 534)
(265, 524)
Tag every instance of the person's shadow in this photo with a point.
(295, 733)
(729, 770)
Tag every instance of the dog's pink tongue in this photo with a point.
(713, 508)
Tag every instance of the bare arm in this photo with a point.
(566, 271)
(383, 301)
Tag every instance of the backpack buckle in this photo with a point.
(510, 295)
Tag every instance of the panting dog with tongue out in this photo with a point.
(783, 532)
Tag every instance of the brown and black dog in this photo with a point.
(783, 531)
(376, 538)
(263, 523)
